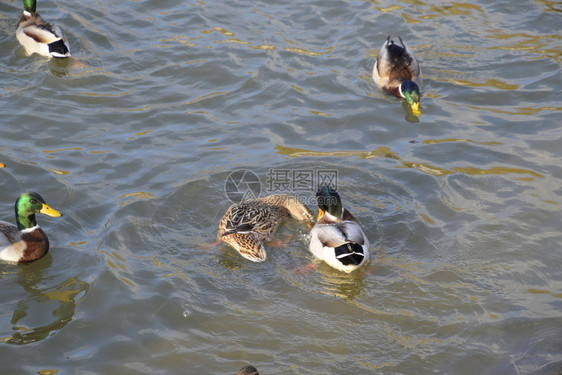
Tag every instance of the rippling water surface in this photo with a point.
(135, 138)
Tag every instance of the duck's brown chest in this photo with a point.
(36, 245)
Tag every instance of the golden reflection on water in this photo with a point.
(302, 51)
(222, 30)
(233, 40)
(389, 8)
(58, 172)
(299, 152)
(136, 196)
(543, 45)
(48, 372)
(424, 167)
(522, 111)
(495, 83)
(185, 40)
(63, 149)
(447, 140)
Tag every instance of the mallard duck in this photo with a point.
(337, 238)
(397, 71)
(26, 241)
(248, 370)
(246, 225)
(38, 36)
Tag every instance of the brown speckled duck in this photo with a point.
(248, 370)
(246, 225)
(26, 241)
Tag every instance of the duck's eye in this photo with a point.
(33, 201)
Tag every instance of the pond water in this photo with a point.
(163, 102)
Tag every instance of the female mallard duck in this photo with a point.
(336, 238)
(246, 225)
(248, 370)
(27, 241)
(397, 72)
(38, 36)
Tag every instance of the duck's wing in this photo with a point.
(43, 32)
(338, 234)
(412, 64)
(9, 234)
(383, 64)
(253, 218)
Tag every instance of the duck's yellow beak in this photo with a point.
(2, 165)
(47, 210)
(416, 108)
(320, 213)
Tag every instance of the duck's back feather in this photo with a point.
(394, 65)
(251, 217)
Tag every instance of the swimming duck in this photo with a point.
(26, 241)
(397, 71)
(38, 36)
(248, 370)
(246, 225)
(337, 238)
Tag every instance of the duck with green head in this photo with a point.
(337, 238)
(38, 36)
(26, 241)
(397, 72)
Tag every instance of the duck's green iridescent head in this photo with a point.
(27, 205)
(328, 201)
(29, 5)
(411, 92)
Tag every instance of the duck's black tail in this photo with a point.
(59, 49)
(350, 254)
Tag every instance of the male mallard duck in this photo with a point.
(397, 72)
(38, 36)
(336, 238)
(27, 241)
(246, 225)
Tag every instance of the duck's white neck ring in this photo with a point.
(27, 230)
(400, 91)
